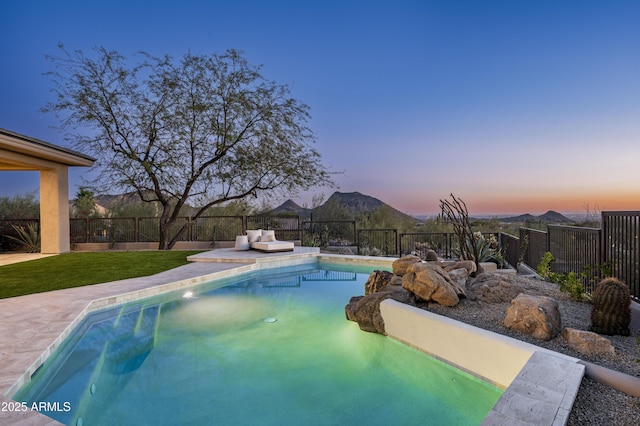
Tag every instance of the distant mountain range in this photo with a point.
(549, 217)
(356, 204)
(351, 204)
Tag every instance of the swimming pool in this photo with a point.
(267, 347)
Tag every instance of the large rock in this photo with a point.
(430, 282)
(538, 316)
(350, 309)
(377, 280)
(431, 256)
(460, 277)
(365, 310)
(469, 265)
(500, 288)
(399, 266)
(587, 342)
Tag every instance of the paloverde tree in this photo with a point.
(203, 130)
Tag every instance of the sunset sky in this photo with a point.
(513, 106)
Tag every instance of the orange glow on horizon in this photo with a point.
(520, 203)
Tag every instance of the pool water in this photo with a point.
(267, 348)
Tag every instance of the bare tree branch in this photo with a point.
(205, 126)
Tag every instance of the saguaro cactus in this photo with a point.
(611, 312)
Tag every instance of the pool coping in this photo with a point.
(207, 266)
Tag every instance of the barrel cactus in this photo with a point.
(611, 312)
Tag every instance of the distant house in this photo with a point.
(20, 153)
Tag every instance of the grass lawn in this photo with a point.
(79, 269)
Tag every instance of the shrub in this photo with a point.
(569, 283)
(544, 267)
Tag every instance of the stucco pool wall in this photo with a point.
(491, 356)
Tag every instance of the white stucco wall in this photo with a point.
(491, 356)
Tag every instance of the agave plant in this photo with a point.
(29, 238)
(485, 247)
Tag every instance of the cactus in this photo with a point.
(611, 312)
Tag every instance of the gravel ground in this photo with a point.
(595, 404)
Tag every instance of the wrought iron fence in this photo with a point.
(286, 227)
(616, 244)
(419, 243)
(621, 247)
(374, 241)
(204, 228)
(339, 233)
(613, 249)
(511, 248)
(536, 247)
(575, 249)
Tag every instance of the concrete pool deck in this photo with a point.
(32, 326)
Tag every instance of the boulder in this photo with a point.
(424, 251)
(430, 282)
(431, 256)
(365, 310)
(399, 266)
(489, 266)
(395, 280)
(500, 288)
(350, 309)
(377, 280)
(587, 342)
(538, 316)
(459, 276)
(469, 265)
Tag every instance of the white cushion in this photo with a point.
(273, 246)
(254, 235)
(268, 232)
(267, 238)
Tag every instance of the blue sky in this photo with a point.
(514, 106)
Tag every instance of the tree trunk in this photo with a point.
(164, 225)
(164, 236)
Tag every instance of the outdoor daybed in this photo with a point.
(264, 240)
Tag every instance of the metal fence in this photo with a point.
(615, 246)
(419, 243)
(372, 240)
(511, 248)
(536, 247)
(286, 227)
(613, 249)
(204, 228)
(574, 248)
(339, 233)
(621, 248)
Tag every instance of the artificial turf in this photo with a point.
(84, 268)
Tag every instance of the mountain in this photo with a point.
(549, 217)
(353, 202)
(555, 217)
(341, 206)
(108, 200)
(290, 207)
(522, 218)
